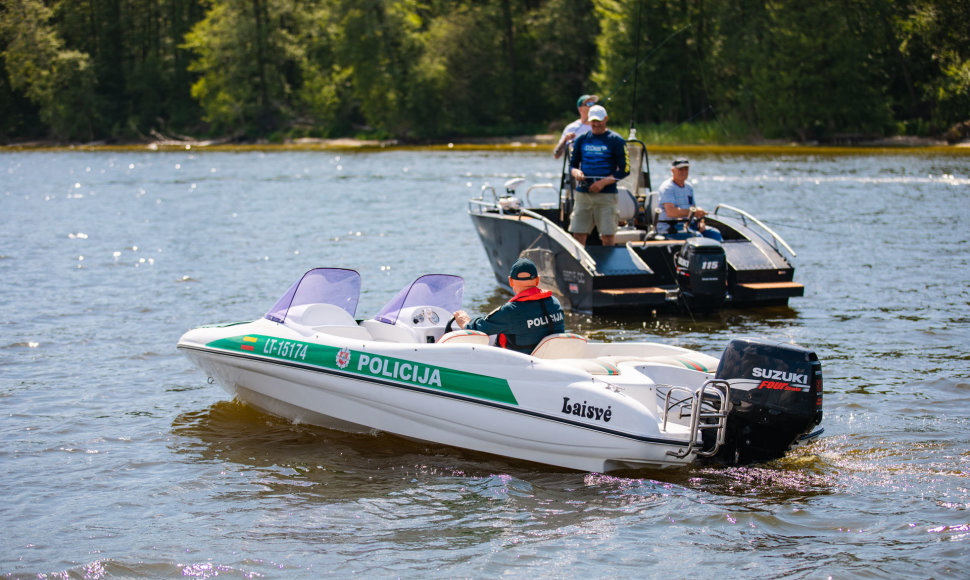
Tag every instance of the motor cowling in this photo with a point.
(701, 267)
(776, 398)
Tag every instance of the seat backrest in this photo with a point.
(626, 205)
(464, 337)
(325, 315)
(562, 345)
(652, 206)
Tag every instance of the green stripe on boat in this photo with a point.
(372, 365)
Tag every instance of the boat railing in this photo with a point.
(775, 240)
(480, 205)
(708, 410)
(528, 192)
(549, 186)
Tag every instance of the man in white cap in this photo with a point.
(677, 205)
(600, 159)
(577, 127)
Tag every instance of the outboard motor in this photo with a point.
(701, 273)
(776, 397)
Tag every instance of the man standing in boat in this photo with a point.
(527, 318)
(578, 127)
(677, 207)
(600, 159)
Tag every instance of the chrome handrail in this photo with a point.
(721, 390)
(774, 235)
(528, 200)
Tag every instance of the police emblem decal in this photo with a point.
(343, 358)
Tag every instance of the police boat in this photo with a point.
(570, 403)
(753, 266)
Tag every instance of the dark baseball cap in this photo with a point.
(523, 269)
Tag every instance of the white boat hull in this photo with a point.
(534, 427)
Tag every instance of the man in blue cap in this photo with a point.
(527, 318)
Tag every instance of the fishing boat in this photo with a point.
(570, 403)
(644, 271)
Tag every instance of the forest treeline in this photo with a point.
(86, 70)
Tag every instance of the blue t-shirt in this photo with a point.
(598, 156)
(670, 192)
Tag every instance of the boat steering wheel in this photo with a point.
(448, 327)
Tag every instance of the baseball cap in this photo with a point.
(523, 269)
(585, 98)
(597, 113)
(680, 162)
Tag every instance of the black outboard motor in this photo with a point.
(776, 397)
(701, 273)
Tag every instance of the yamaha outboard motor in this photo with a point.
(776, 398)
(701, 273)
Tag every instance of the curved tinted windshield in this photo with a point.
(443, 290)
(337, 286)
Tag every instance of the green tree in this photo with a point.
(935, 45)
(59, 81)
(249, 60)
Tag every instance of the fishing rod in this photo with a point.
(638, 63)
(636, 75)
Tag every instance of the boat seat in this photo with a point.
(562, 345)
(651, 210)
(464, 337)
(322, 315)
(330, 319)
(626, 205)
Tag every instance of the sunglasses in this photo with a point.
(589, 103)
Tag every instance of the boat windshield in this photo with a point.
(442, 290)
(336, 286)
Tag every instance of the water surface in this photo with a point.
(117, 459)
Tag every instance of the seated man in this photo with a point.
(527, 318)
(677, 203)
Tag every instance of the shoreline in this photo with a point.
(514, 143)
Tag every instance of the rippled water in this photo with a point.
(118, 460)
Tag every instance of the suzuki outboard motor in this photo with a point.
(776, 398)
(701, 273)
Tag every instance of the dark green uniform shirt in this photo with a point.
(523, 321)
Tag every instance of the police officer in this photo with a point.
(527, 318)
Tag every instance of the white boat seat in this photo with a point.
(464, 337)
(562, 345)
(323, 315)
(389, 332)
(626, 205)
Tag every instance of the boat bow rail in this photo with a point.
(766, 233)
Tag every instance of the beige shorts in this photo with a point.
(591, 209)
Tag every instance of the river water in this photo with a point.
(118, 460)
